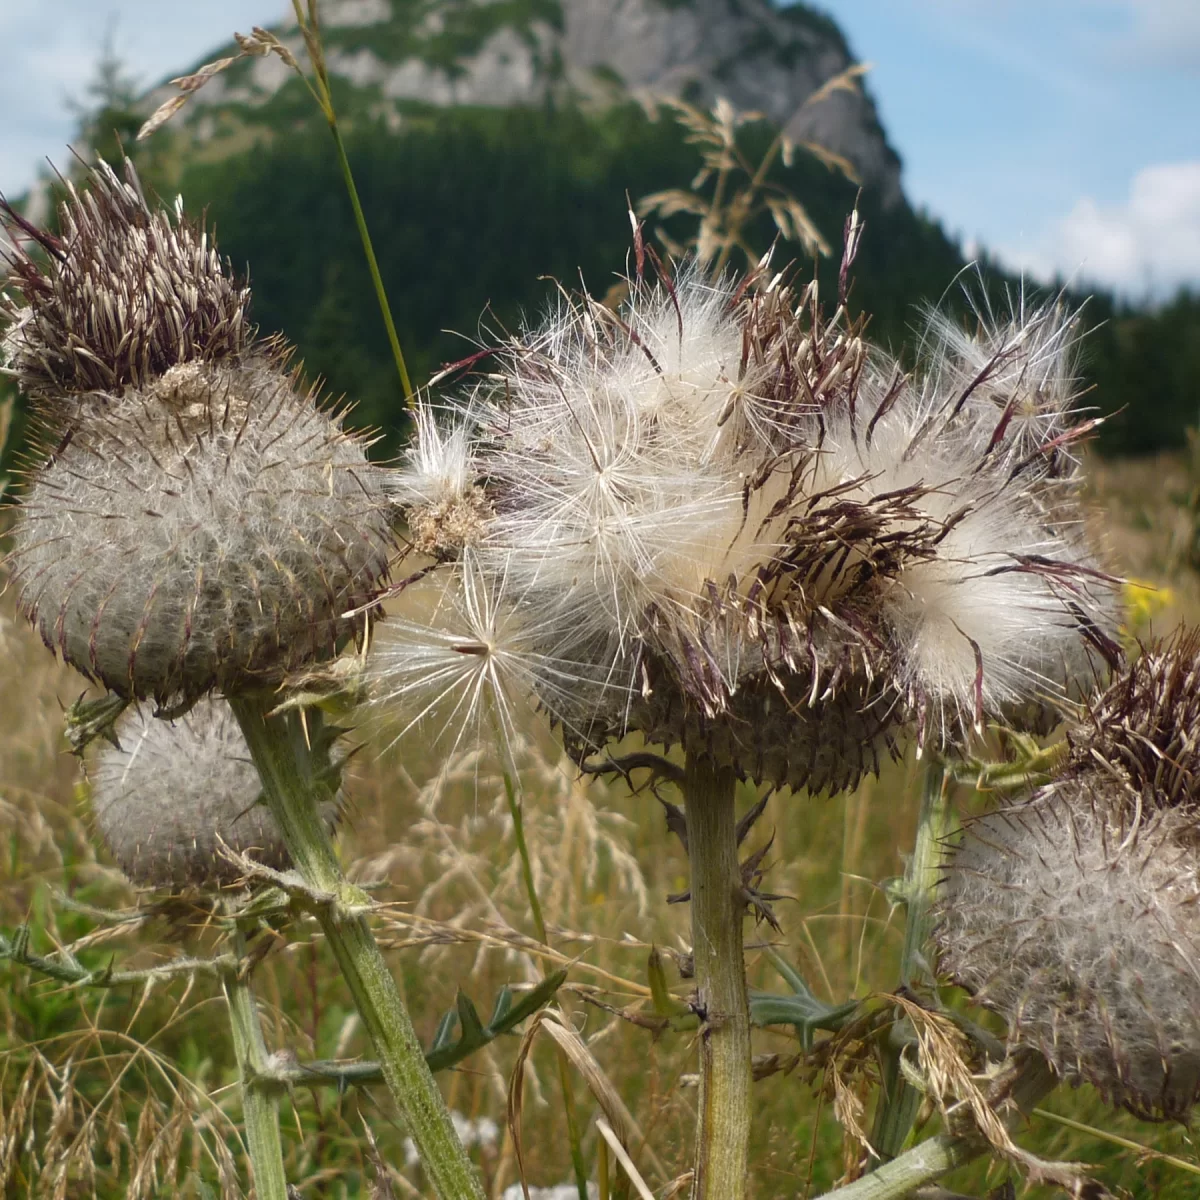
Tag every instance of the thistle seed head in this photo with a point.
(124, 293)
(730, 506)
(437, 487)
(1077, 919)
(166, 800)
(208, 530)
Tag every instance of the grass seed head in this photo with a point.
(1077, 919)
(208, 530)
(166, 801)
(121, 295)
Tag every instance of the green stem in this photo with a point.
(295, 786)
(323, 93)
(539, 924)
(260, 1105)
(372, 263)
(899, 1099)
(934, 1157)
(723, 1130)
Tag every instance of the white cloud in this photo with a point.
(1150, 244)
(1165, 33)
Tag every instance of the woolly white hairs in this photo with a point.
(206, 532)
(165, 800)
(1077, 918)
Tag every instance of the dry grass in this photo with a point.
(129, 1092)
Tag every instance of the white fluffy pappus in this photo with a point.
(437, 486)
(621, 444)
(980, 620)
(1018, 369)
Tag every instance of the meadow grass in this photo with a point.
(132, 1091)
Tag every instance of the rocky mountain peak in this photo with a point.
(757, 55)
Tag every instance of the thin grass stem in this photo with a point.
(311, 30)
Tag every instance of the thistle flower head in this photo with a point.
(207, 530)
(733, 509)
(173, 794)
(124, 293)
(1079, 922)
(1145, 727)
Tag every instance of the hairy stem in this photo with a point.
(933, 1158)
(294, 786)
(717, 907)
(260, 1105)
(899, 1099)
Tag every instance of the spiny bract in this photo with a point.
(125, 292)
(1077, 919)
(736, 521)
(1145, 727)
(173, 793)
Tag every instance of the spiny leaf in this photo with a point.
(445, 1032)
(504, 999)
(665, 1004)
(472, 1027)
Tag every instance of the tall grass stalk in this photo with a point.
(539, 924)
(310, 28)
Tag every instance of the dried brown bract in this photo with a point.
(121, 295)
(1145, 727)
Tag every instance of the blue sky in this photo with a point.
(1061, 134)
(1064, 135)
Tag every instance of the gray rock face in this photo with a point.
(484, 52)
(757, 56)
